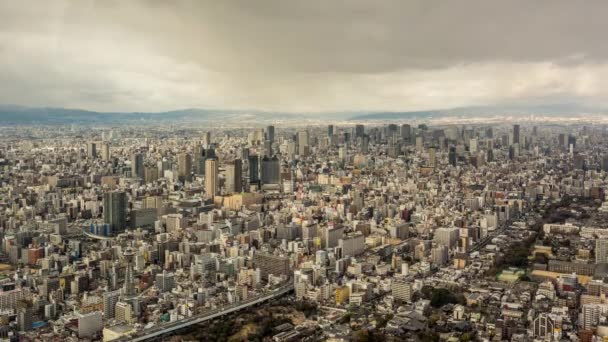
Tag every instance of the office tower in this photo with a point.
(92, 150)
(268, 148)
(129, 286)
(419, 143)
(25, 315)
(150, 173)
(89, 324)
(332, 235)
(109, 303)
(115, 210)
(234, 176)
(402, 290)
(352, 245)
(254, 169)
(211, 177)
(452, 156)
(534, 131)
(406, 132)
(391, 131)
(432, 157)
(270, 170)
(303, 141)
(330, 130)
(515, 134)
(184, 167)
(206, 140)
(271, 264)
(165, 282)
(601, 251)
(489, 133)
(137, 165)
(365, 144)
(270, 133)
(543, 326)
(359, 130)
(198, 160)
(447, 236)
(105, 151)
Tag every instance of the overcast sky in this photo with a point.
(301, 55)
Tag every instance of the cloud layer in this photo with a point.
(301, 55)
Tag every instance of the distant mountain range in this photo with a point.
(20, 115)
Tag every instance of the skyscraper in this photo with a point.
(406, 132)
(184, 167)
(516, 134)
(270, 133)
(105, 151)
(254, 169)
(92, 150)
(330, 130)
(303, 141)
(234, 176)
(359, 130)
(211, 179)
(452, 156)
(270, 171)
(115, 210)
(137, 165)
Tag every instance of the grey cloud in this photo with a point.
(300, 55)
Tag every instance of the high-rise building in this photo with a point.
(109, 303)
(254, 169)
(332, 236)
(271, 264)
(406, 132)
(330, 130)
(419, 143)
(352, 245)
(92, 150)
(439, 255)
(234, 176)
(601, 251)
(270, 170)
(105, 151)
(402, 290)
(447, 236)
(515, 134)
(270, 133)
(452, 156)
(184, 167)
(25, 315)
(124, 312)
(206, 140)
(165, 281)
(432, 157)
(137, 165)
(303, 143)
(359, 130)
(115, 210)
(591, 316)
(211, 177)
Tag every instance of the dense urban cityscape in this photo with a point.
(341, 232)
